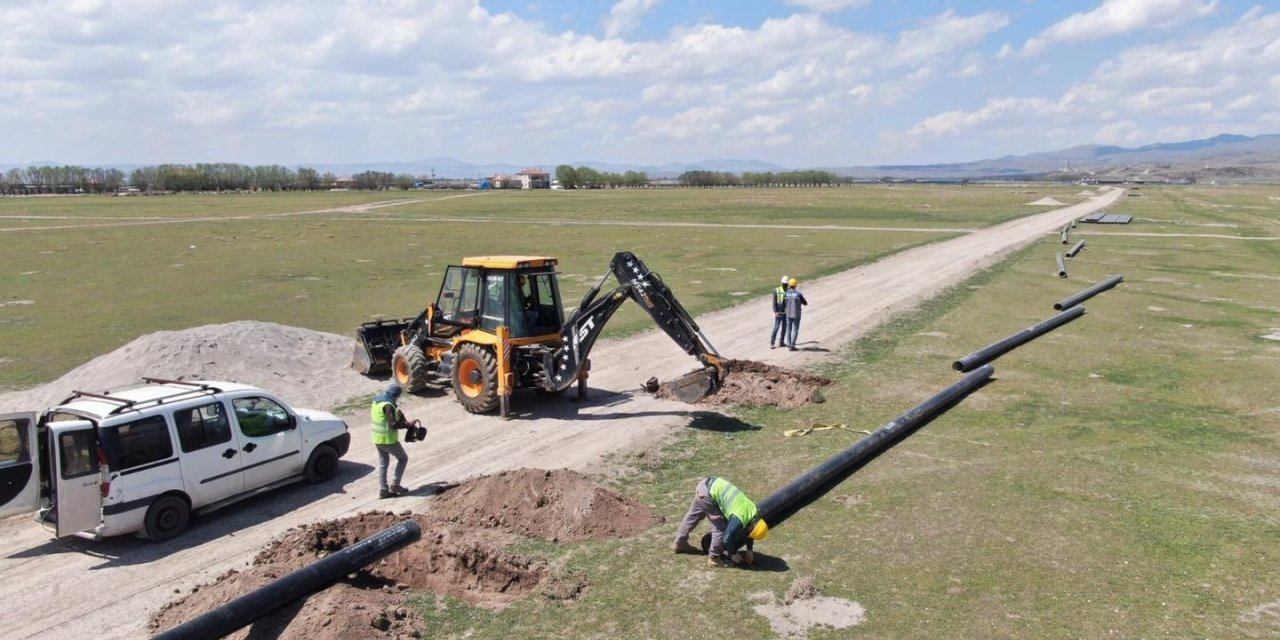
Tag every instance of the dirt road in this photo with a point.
(107, 589)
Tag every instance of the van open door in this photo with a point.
(77, 476)
(19, 477)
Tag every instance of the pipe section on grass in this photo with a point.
(1076, 249)
(1065, 230)
(1067, 303)
(997, 349)
(1062, 267)
(802, 491)
(318, 575)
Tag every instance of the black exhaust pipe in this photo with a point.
(802, 491)
(1076, 249)
(995, 350)
(1062, 267)
(1067, 303)
(251, 606)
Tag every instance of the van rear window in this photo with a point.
(203, 426)
(137, 443)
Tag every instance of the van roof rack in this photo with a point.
(125, 404)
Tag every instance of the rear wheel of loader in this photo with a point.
(475, 378)
(409, 367)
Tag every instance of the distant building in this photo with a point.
(534, 178)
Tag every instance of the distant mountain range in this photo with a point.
(1230, 158)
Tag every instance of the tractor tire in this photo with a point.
(475, 378)
(167, 518)
(410, 368)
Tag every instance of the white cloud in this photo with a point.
(944, 33)
(626, 16)
(1184, 88)
(827, 6)
(1115, 17)
(692, 124)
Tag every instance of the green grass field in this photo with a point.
(85, 275)
(1119, 478)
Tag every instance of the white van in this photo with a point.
(143, 458)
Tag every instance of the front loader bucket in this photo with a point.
(695, 386)
(376, 342)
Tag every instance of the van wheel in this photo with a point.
(322, 466)
(167, 518)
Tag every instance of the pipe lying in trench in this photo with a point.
(1062, 267)
(997, 349)
(1076, 249)
(802, 491)
(318, 575)
(1067, 303)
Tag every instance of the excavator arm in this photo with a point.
(636, 282)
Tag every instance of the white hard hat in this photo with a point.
(785, 279)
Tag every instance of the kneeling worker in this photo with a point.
(733, 518)
(387, 418)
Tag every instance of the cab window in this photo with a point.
(459, 299)
(13, 442)
(260, 417)
(203, 426)
(137, 443)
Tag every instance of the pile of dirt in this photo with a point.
(307, 368)
(461, 554)
(756, 383)
(560, 505)
(803, 609)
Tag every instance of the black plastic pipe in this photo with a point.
(1076, 249)
(997, 349)
(1062, 267)
(802, 491)
(1067, 303)
(251, 606)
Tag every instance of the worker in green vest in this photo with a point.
(387, 418)
(733, 518)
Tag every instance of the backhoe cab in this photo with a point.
(498, 323)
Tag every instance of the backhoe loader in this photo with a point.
(497, 324)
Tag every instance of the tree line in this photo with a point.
(587, 178)
(220, 176)
(810, 177)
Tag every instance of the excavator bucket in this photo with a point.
(376, 342)
(695, 386)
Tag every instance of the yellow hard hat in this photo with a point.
(759, 531)
(793, 282)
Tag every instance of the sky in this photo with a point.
(799, 83)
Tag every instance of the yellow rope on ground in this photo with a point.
(818, 426)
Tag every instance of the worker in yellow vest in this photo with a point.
(734, 523)
(387, 418)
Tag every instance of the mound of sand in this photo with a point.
(1046, 202)
(756, 383)
(307, 368)
(461, 554)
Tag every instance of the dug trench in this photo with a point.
(749, 383)
(462, 554)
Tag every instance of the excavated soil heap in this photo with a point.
(460, 555)
(756, 383)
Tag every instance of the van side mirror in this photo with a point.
(293, 422)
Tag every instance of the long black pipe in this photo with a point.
(1067, 303)
(1062, 267)
(997, 349)
(1076, 249)
(799, 493)
(251, 606)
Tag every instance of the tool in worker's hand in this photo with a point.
(414, 431)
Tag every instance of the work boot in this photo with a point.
(792, 348)
(717, 561)
(771, 346)
(685, 547)
(385, 493)
(399, 490)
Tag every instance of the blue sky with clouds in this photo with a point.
(801, 83)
